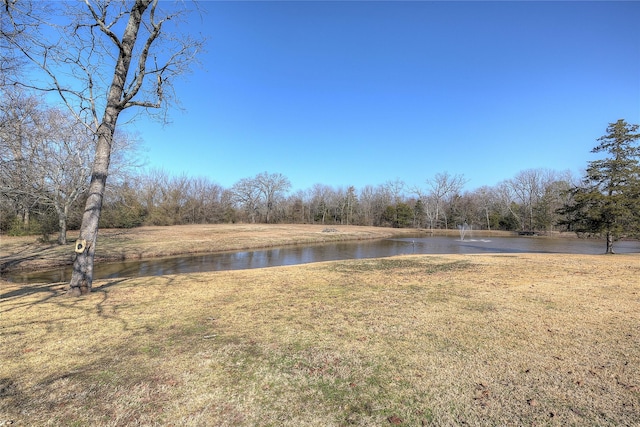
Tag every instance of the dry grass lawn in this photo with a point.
(527, 339)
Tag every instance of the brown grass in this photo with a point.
(414, 340)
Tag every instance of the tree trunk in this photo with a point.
(82, 277)
(25, 218)
(488, 222)
(609, 243)
(62, 232)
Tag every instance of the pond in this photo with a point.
(291, 255)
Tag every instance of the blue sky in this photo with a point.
(361, 93)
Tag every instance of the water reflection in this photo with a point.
(330, 252)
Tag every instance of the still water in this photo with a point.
(291, 255)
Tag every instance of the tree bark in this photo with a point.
(609, 243)
(82, 277)
(62, 232)
(25, 218)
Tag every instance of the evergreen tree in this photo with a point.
(608, 201)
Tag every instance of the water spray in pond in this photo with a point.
(464, 228)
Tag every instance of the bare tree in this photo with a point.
(339, 205)
(536, 193)
(420, 207)
(486, 198)
(165, 197)
(262, 193)
(119, 55)
(366, 201)
(443, 186)
(19, 121)
(506, 200)
(203, 202)
(395, 188)
(320, 196)
(555, 188)
(381, 200)
(45, 157)
(297, 207)
(247, 194)
(526, 188)
(11, 64)
(62, 158)
(272, 188)
(351, 203)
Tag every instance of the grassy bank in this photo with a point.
(413, 340)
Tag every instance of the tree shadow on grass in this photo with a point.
(28, 253)
(120, 377)
(22, 296)
(96, 370)
(55, 293)
(48, 290)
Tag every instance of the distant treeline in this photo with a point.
(527, 202)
